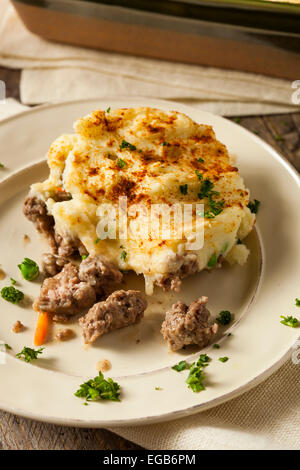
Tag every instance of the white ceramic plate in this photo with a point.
(257, 293)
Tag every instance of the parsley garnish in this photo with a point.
(254, 206)
(289, 321)
(223, 359)
(7, 346)
(29, 353)
(216, 346)
(97, 240)
(13, 281)
(121, 163)
(199, 175)
(225, 246)
(11, 294)
(108, 110)
(200, 160)
(99, 389)
(196, 376)
(29, 269)
(237, 119)
(1, 165)
(212, 260)
(183, 188)
(127, 145)
(123, 255)
(279, 138)
(84, 257)
(165, 144)
(158, 388)
(239, 242)
(215, 208)
(297, 302)
(224, 317)
(182, 365)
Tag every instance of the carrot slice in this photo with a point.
(41, 329)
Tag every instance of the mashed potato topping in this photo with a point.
(150, 157)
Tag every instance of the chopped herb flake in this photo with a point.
(199, 175)
(121, 163)
(289, 321)
(200, 160)
(237, 119)
(13, 281)
(99, 389)
(183, 188)
(164, 144)
(11, 294)
(212, 260)
(216, 346)
(254, 206)
(205, 189)
(223, 359)
(108, 110)
(224, 317)
(158, 388)
(123, 255)
(29, 269)
(97, 240)
(239, 242)
(279, 138)
(297, 302)
(1, 165)
(29, 354)
(127, 145)
(224, 247)
(84, 257)
(182, 365)
(196, 376)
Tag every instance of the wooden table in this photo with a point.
(282, 131)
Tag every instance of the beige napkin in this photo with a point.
(266, 417)
(55, 72)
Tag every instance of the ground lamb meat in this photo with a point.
(35, 210)
(172, 281)
(64, 334)
(53, 264)
(185, 325)
(65, 293)
(18, 327)
(120, 309)
(101, 274)
(68, 246)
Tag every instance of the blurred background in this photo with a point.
(231, 57)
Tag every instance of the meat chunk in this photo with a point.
(100, 273)
(64, 334)
(185, 325)
(53, 264)
(35, 210)
(172, 281)
(65, 293)
(18, 327)
(120, 309)
(68, 246)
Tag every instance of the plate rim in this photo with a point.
(193, 409)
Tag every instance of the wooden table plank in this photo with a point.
(282, 132)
